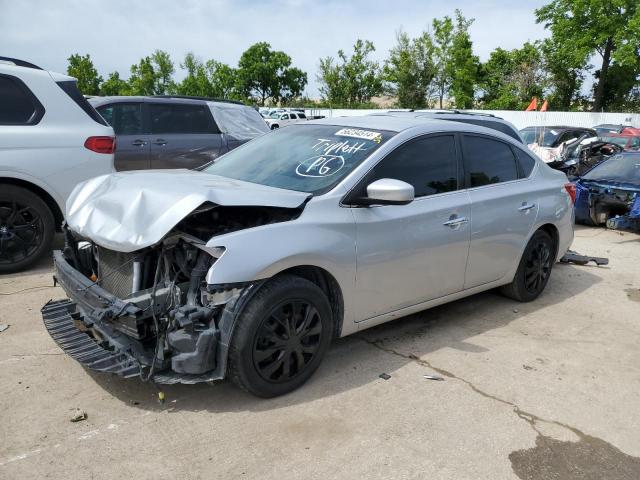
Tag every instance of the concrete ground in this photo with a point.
(544, 390)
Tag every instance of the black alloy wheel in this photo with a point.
(287, 341)
(538, 266)
(280, 337)
(26, 228)
(534, 269)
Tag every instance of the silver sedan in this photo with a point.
(249, 268)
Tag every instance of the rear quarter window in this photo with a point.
(71, 89)
(526, 162)
(18, 106)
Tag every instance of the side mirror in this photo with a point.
(388, 191)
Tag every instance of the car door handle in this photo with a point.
(455, 221)
(160, 141)
(526, 207)
(138, 143)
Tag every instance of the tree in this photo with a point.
(443, 43)
(510, 78)
(114, 85)
(264, 73)
(152, 75)
(409, 70)
(164, 70)
(465, 64)
(609, 28)
(196, 83)
(352, 81)
(566, 74)
(81, 67)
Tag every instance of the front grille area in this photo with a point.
(115, 272)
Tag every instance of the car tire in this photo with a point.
(273, 127)
(27, 227)
(280, 337)
(534, 269)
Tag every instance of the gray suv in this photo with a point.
(176, 132)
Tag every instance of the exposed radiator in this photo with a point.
(115, 272)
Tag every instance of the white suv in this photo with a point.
(280, 119)
(50, 140)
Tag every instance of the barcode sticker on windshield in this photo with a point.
(363, 134)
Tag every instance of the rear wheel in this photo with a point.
(281, 337)
(273, 127)
(534, 269)
(26, 228)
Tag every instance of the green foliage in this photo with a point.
(152, 75)
(81, 67)
(443, 43)
(409, 70)
(210, 79)
(114, 85)
(510, 78)
(267, 74)
(353, 80)
(609, 28)
(465, 65)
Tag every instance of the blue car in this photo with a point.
(609, 193)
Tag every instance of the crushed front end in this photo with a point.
(147, 313)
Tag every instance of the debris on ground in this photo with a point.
(385, 376)
(574, 257)
(4, 326)
(78, 415)
(433, 377)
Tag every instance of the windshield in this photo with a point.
(306, 158)
(620, 168)
(275, 115)
(542, 136)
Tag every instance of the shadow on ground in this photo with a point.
(354, 361)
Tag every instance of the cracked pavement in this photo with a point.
(544, 390)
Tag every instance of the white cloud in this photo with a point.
(118, 33)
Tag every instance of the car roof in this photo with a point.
(97, 101)
(400, 123)
(555, 127)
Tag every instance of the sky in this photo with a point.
(117, 33)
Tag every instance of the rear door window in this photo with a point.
(488, 161)
(181, 118)
(125, 118)
(18, 106)
(428, 163)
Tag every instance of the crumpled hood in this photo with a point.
(128, 211)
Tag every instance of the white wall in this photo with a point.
(521, 119)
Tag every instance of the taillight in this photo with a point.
(101, 144)
(571, 190)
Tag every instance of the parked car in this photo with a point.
(50, 140)
(609, 194)
(606, 128)
(552, 137)
(473, 118)
(249, 268)
(277, 120)
(628, 138)
(176, 132)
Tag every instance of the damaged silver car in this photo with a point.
(248, 269)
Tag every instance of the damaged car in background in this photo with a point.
(249, 268)
(572, 150)
(609, 194)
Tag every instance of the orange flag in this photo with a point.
(533, 105)
(544, 106)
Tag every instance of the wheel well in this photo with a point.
(552, 231)
(329, 285)
(48, 199)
